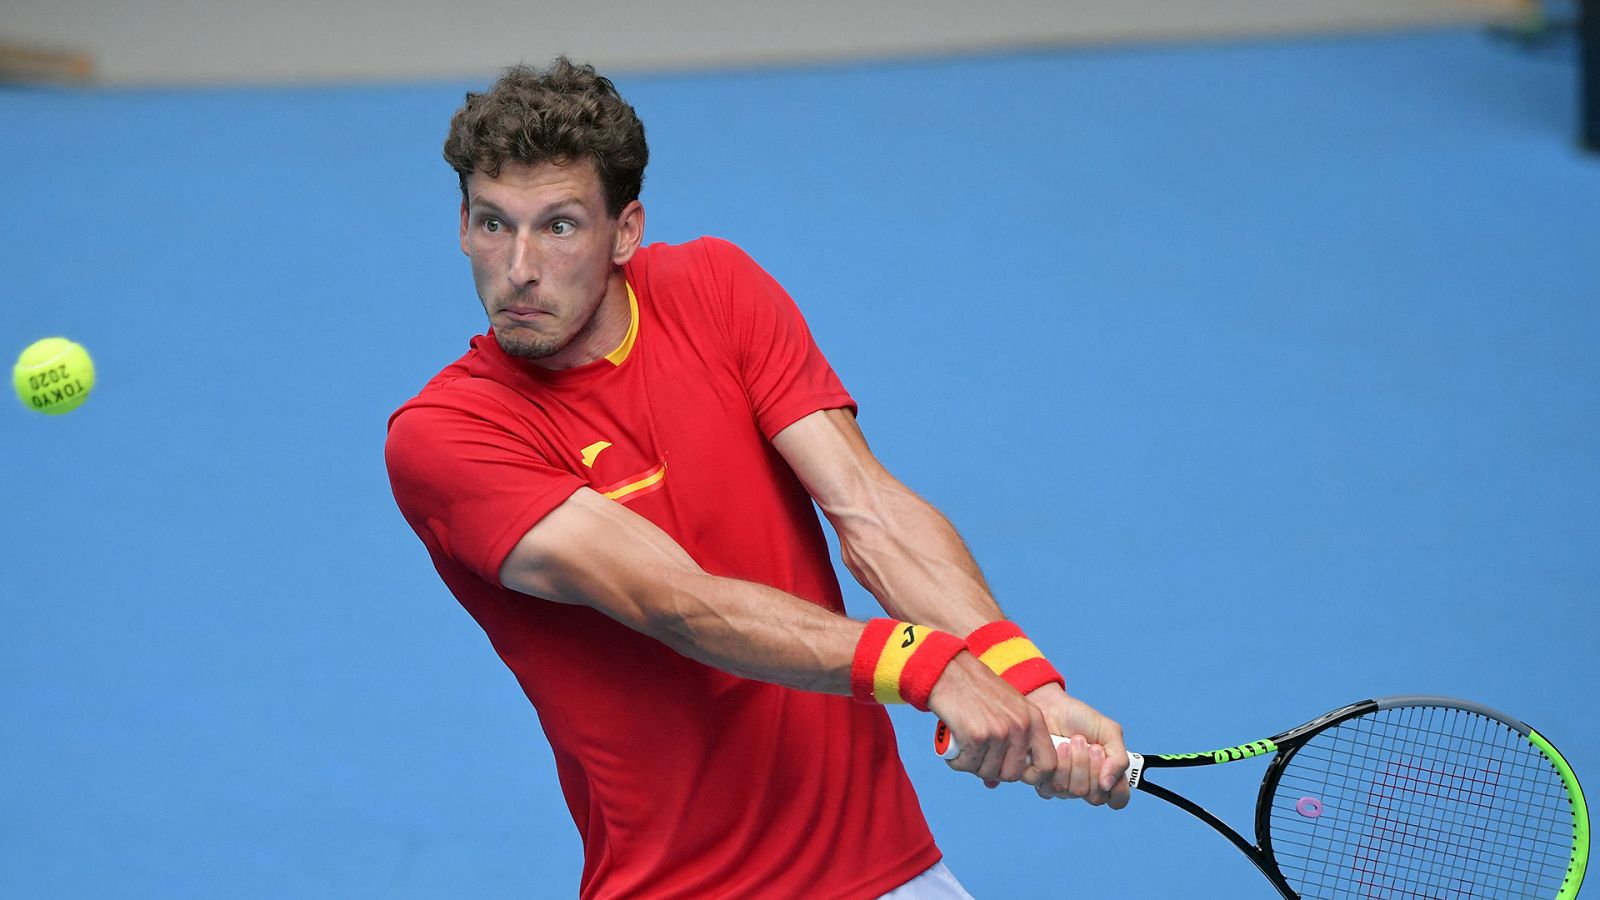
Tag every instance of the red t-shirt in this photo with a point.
(684, 781)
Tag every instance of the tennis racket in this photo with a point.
(1400, 797)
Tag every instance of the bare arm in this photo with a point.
(895, 543)
(595, 552)
(910, 557)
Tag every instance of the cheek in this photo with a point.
(481, 263)
(485, 250)
(484, 267)
(580, 264)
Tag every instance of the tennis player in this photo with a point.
(616, 481)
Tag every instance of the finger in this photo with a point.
(1121, 792)
(1042, 754)
(1078, 780)
(1033, 776)
(1119, 796)
(994, 758)
(1097, 761)
(971, 759)
(1115, 769)
(1017, 759)
(983, 759)
(1059, 786)
(965, 760)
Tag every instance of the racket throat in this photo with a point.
(1262, 861)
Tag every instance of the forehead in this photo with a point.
(544, 184)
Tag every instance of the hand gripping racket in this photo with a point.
(1401, 797)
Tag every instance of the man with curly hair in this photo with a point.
(617, 481)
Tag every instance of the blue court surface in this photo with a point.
(1261, 378)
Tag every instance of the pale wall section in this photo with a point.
(231, 41)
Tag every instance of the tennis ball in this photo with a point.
(53, 376)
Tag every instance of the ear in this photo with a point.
(630, 232)
(464, 228)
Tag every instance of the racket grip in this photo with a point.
(946, 745)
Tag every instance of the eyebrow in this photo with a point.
(477, 204)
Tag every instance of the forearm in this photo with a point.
(592, 551)
(753, 631)
(904, 551)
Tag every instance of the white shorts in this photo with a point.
(936, 883)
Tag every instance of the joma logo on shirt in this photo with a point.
(591, 452)
(634, 485)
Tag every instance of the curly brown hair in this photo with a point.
(565, 113)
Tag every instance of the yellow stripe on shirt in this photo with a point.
(650, 479)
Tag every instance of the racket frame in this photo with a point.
(1286, 744)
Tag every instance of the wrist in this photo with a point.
(899, 662)
(1047, 692)
(1010, 654)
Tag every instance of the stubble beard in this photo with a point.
(526, 346)
(526, 342)
(522, 342)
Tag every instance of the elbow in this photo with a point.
(869, 527)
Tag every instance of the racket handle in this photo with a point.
(946, 745)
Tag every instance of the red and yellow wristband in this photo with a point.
(898, 662)
(1008, 653)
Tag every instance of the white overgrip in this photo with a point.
(946, 745)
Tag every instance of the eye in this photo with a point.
(491, 225)
(561, 227)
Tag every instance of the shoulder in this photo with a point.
(457, 429)
(700, 250)
(464, 391)
(711, 259)
(695, 281)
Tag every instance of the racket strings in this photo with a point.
(1421, 802)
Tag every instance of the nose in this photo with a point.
(524, 262)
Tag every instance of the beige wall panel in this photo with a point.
(164, 41)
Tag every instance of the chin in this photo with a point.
(525, 346)
(522, 346)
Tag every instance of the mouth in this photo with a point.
(525, 313)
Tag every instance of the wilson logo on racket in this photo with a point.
(1244, 751)
(1226, 754)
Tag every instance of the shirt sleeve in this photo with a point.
(785, 375)
(468, 486)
